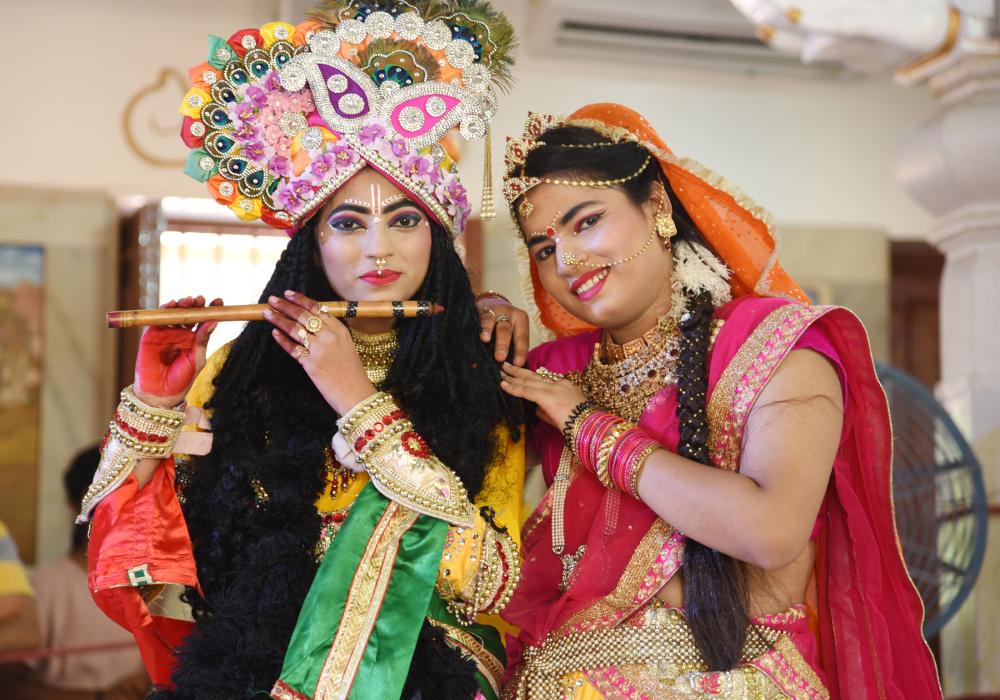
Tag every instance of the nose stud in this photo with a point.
(380, 265)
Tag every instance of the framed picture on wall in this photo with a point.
(21, 351)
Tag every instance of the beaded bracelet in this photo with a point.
(138, 431)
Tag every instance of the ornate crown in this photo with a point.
(279, 117)
(516, 184)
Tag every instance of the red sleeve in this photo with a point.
(142, 530)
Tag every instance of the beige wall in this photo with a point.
(77, 231)
(817, 153)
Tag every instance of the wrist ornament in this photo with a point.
(498, 572)
(572, 425)
(613, 449)
(627, 459)
(400, 462)
(595, 435)
(138, 431)
(490, 293)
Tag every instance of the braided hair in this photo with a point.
(715, 591)
(271, 426)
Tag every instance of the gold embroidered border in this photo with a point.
(363, 603)
(627, 595)
(746, 375)
(488, 665)
(786, 667)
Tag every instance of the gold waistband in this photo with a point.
(662, 644)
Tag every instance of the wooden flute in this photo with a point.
(182, 316)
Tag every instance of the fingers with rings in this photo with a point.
(502, 318)
(548, 374)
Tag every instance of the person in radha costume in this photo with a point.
(334, 506)
(719, 519)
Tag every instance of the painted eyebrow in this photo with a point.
(574, 211)
(534, 240)
(351, 207)
(399, 205)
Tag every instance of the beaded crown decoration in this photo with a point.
(281, 116)
(516, 184)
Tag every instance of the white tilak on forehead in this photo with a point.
(376, 204)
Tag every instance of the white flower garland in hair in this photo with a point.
(697, 269)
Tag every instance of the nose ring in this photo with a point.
(380, 265)
(570, 259)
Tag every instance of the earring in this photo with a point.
(665, 226)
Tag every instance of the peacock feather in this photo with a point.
(475, 21)
(402, 62)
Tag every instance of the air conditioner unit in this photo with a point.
(702, 33)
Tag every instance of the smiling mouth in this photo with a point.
(589, 281)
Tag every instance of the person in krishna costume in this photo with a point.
(327, 509)
(719, 519)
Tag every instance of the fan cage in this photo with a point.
(939, 498)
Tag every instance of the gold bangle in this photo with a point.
(639, 467)
(604, 452)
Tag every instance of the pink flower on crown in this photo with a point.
(256, 96)
(272, 81)
(344, 156)
(279, 102)
(243, 112)
(255, 151)
(417, 166)
(280, 166)
(245, 133)
(273, 134)
(303, 188)
(286, 198)
(322, 166)
(370, 132)
(284, 146)
(453, 196)
(399, 147)
(301, 101)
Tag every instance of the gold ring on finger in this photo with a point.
(487, 310)
(502, 318)
(324, 309)
(314, 324)
(300, 351)
(302, 334)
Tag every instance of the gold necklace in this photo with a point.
(377, 353)
(620, 379)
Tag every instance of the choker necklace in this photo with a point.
(377, 353)
(621, 379)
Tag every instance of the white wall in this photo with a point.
(814, 152)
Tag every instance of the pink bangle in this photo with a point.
(627, 459)
(593, 429)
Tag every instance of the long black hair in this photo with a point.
(271, 426)
(715, 590)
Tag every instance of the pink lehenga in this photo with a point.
(590, 623)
